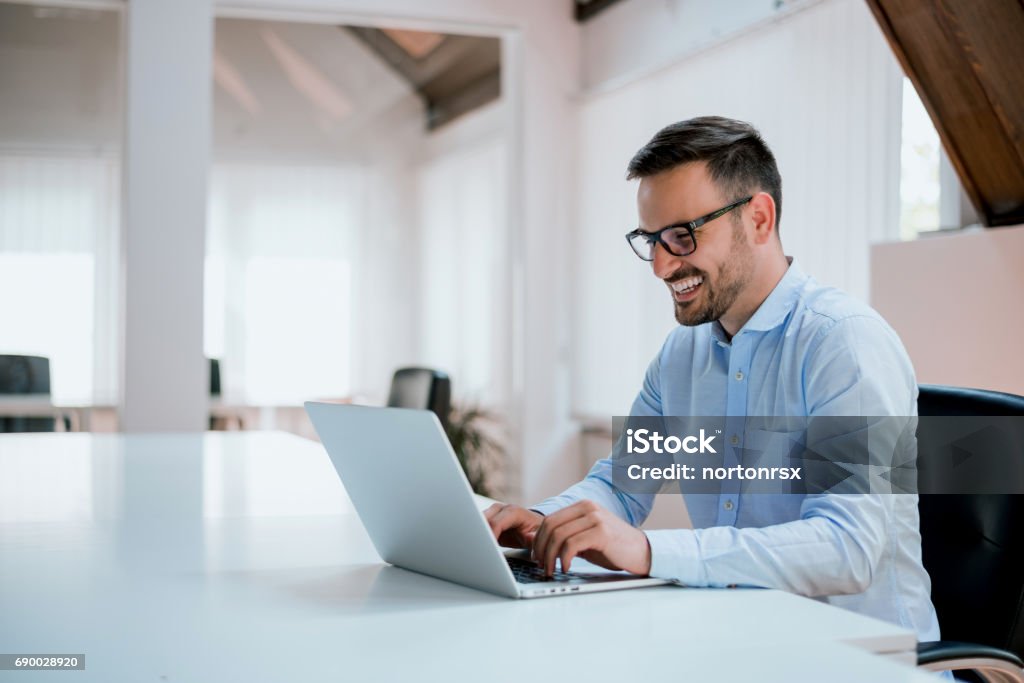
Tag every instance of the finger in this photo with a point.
(556, 538)
(543, 544)
(588, 539)
(555, 520)
(560, 537)
(502, 520)
(551, 522)
(493, 510)
(511, 524)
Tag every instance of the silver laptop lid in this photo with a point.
(411, 494)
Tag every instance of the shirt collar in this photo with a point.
(773, 311)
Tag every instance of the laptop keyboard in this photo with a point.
(526, 571)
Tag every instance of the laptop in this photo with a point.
(418, 508)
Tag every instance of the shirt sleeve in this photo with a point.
(597, 485)
(857, 368)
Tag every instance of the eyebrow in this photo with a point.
(677, 224)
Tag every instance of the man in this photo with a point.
(757, 337)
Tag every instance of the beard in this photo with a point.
(720, 291)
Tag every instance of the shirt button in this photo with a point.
(739, 375)
(734, 439)
(728, 505)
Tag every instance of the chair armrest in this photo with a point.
(990, 663)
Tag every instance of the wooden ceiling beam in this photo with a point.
(966, 59)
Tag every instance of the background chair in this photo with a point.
(973, 549)
(26, 376)
(214, 377)
(221, 421)
(423, 389)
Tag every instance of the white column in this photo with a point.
(166, 159)
(544, 256)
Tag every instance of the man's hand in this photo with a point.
(587, 530)
(513, 526)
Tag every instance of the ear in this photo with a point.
(762, 214)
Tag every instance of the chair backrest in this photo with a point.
(214, 377)
(423, 389)
(973, 545)
(24, 375)
(21, 376)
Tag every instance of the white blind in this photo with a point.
(282, 242)
(58, 249)
(462, 198)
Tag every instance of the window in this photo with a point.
(919, 168)
(279, 280)
(58, 220)
(60, 193)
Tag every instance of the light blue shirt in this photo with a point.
(809, 350)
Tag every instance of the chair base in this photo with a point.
(989, 670)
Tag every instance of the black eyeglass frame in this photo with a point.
(655, 237)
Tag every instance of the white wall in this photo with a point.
(629, 39)
(954, 299)
(822, 86)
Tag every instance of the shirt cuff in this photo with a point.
(547, 507)
(675, 555)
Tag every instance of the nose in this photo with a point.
(664, 263)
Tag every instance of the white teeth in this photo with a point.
(687, 284)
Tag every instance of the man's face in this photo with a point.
(705, 284)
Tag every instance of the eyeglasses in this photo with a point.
(678, 238)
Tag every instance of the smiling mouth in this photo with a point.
(686, 289)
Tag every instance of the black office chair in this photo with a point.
(973, 549)
(27, 376)
(424, 389)
(214, 377)
(223, 422)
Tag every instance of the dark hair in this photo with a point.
(738, 159)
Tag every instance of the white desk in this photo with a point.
(237, 556)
